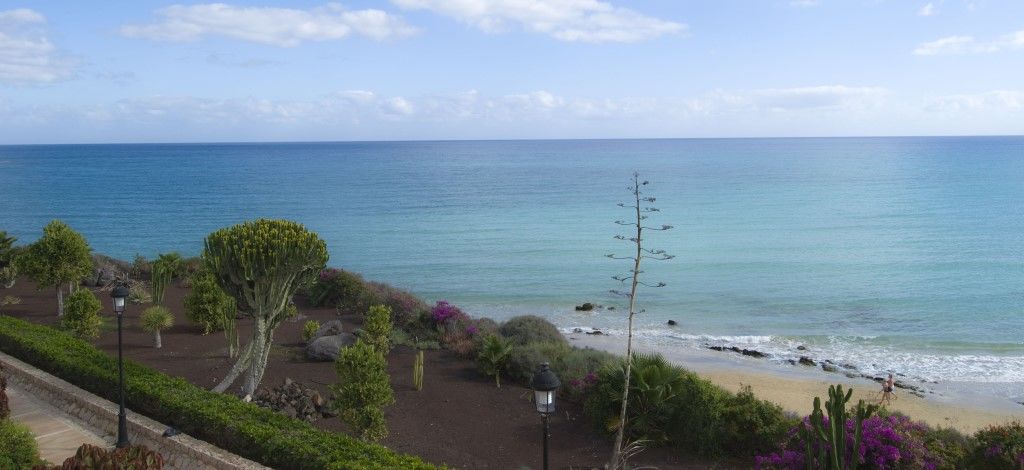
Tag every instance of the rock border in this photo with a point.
(100, 416)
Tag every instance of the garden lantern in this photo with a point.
(544, 385)
(120, 295)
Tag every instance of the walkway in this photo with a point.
(56, 433)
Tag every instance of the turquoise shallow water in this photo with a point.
(900, 253)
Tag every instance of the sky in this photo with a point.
(159, 71)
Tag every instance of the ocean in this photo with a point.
(902, 254)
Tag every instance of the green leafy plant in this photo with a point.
(172, 263)
(261, 264)
(8, 270)
(309, 329)
(832, 433)
(18, 447)
(526, 329)
(336, 288)
(140, 267)
(363, 390)
(206, 305)
(675, 406)
(154, 320)
(82, 315)
(246, 429)
(522, 361)
(494, 356)
(377, 328)
(59, 258)
(165, 268)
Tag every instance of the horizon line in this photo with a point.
(543, 139)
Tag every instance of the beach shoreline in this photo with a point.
(794, 387)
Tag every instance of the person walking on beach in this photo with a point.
(887, 394)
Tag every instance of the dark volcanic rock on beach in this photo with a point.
(585, 307)
(672, 323)
(807, 361)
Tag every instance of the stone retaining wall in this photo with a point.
(100, 416)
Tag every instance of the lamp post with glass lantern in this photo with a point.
(544, 385)
(120, 294)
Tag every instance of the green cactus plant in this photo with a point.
(161, 277)
(417, 371)
(831, 437)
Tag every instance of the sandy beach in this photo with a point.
(794, 388)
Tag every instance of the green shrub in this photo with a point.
(528, 329)
(670, 405)
(524, 359)
(138, 293)
(336, 288)
(400, 337)
(140, 267)
(207, 306)
(377, 328)
(363, 390)
(309, 330)
(225, 421)
(171, 262)
(164, 269)
(948, 446)
(405, 307)
(82, 314)
(154, 320)
(494, 357)
(17, 446)
(578, 369)
(998, 447)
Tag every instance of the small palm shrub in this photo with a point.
(528, 329)
(207, 305)
(309, 330)
(82, 315)
(377, 328)
(172, 262)
(154, 320)
(140, 267)
(336, 288)
(17, 446)
(363, 390)
(998, 447)
(494, 356)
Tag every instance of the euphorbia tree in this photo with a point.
(261, 264)
(59, 258)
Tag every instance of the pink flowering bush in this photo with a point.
(887, 442)
(999, 447)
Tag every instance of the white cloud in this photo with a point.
(927, 10)
(284, 27)
(567, 20)
(996, 100)
(26, 53)
(799, 99)
(968, 45)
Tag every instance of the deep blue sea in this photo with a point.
(904, 253)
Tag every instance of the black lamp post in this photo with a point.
(120, 294)
(544, 384)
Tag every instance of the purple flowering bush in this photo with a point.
(999, 447)
(887, 442)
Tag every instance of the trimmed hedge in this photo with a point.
(223, 420)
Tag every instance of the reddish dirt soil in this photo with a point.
(459, 419)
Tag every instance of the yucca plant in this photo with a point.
(154, 320)
(495, 352)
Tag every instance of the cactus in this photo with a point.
(417, 371)
(129, 458)
(831, 437)
(261, 264)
